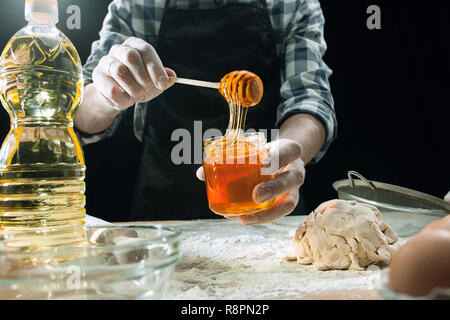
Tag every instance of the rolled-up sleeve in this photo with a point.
(304, 79)
(115, 30)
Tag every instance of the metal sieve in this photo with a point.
(388, 197)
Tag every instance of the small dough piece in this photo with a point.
(344, 235)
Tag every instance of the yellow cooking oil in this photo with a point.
(41, 161)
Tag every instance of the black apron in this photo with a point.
(201, 44)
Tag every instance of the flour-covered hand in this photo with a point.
(284, 161)
(131, 72)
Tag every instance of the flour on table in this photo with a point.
(223, 259)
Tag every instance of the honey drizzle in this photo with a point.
(232, 163)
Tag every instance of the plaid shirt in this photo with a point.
(298, 26)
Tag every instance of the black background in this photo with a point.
(390, 88)
(172, 309)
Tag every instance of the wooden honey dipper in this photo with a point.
(241, 87)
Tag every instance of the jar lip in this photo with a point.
(251, 134)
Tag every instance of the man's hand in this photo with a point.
(131, 72)
(289, 176)
(289, 171)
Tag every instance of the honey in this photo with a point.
(232, 168)
(241, 87)
(232, 163)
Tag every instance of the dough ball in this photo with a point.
(423, 263)
(344, 235)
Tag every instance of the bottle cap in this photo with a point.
(41, 10)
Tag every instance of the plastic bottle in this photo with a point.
(41, 161)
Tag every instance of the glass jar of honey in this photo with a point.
(232, 166)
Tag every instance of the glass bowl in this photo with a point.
(101, 262)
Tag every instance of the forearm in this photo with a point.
(308, 131)
(95, 113)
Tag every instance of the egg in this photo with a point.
(423, 263)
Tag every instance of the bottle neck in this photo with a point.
(39, 21)
(41, 11)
